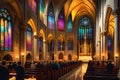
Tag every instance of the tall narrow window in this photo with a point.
(40, 44)
(61, 20)
(59, 45)
(41, 10)
(5, 30)
(109, 43)
(32, 5)
(52, 45)
(85, 28)
(29, 38)
(70, 45)
(70, 23)
(51, 18)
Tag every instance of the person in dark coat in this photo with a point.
(20, 72)
(4, 72)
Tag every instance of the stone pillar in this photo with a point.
(44, 50)
(35, 48)
(116, 54)
(22, 45)
(103, 40)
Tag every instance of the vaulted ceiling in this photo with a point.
(78, 8)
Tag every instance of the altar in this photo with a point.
(85, 58)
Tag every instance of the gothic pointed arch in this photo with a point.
(29, 57)
(7, 57)
(31, 22)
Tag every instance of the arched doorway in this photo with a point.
(7, 58)
(60, 56)
(69, 57)
(29, 57)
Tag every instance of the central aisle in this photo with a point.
(84, 68)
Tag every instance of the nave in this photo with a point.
(60, 39)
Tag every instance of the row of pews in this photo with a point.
(49, 71)
(101, 71)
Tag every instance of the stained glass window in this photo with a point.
(70, 24)
(29, 38)
(32, 5)
(61, 20)
(109, 43)
(52, 45)
(70, 45)
(59, 45)
(41, 10)
(5, 30)
(40, 44)
(51, 18)
(85, 28)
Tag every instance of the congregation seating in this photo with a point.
(101, 71)
(49, 70)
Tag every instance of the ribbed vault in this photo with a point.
(79, 8)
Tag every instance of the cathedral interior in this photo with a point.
(80, 37)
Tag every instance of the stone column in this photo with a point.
(116, 54)
(22, 45)
(44, 50)
(35, 48)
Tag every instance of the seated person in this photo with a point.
(110, 67)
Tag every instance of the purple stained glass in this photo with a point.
(51, 22)
(61, 24)
(61, 20)
(5, 30)
(6, 35)
(29, 38)
(9, 35)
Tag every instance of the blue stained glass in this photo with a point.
(40, 44)
(85, 27)
(70, 45)
(59, 45)
(70, 24)
(5, 30)
(51, 18)
(52, 45)
(109, 43)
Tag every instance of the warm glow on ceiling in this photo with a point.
(111, 25)
(32, 24)
(42, 34)
(50, 37)
(80, 7)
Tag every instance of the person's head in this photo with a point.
(3, 63)
(19, 63)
